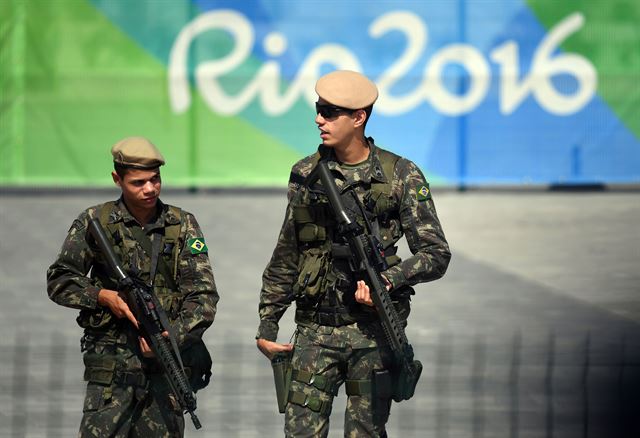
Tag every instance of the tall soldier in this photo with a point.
(339, 337)
(161, 245)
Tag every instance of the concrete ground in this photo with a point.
(534, 330)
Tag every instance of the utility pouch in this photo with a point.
(312, 273)
(406, 381)
(281, 364)
(99, 369)
(381, 393)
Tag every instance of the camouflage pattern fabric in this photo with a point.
(129, 411)
(409, 211)
(110, 345)
(336, 354)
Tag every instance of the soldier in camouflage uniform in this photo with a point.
(126, 394)
(339, 337)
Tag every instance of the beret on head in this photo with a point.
(347, 89)
(137, 152)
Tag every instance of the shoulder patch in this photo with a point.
(197, 245)
(422, 192)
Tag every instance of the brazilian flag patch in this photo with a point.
(422, 192)
(197, 245)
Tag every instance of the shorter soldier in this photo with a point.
(161, 245)
(339, 337)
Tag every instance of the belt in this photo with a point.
(131, 379)
(333, 318)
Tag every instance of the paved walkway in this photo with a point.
(526, 332)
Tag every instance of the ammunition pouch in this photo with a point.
(99, 368)
(315, 274)
(281, 364)
(197, 362)
(323, 407)
(405, 381)
(318, 381)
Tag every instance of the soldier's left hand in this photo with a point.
(144, 346)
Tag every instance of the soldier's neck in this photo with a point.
(142, 215)
(355, 152)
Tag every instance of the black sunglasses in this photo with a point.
(330, 111)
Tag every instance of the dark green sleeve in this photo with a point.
(196, 282)
(67, 281)
(421, 228)
(278, 277)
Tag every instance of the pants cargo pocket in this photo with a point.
(94, 399)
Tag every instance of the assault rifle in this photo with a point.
(153, 322)
(366, 253)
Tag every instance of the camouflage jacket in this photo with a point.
(411, 213)
(191, 308)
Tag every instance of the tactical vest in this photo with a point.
(315, 226)
(100, 319)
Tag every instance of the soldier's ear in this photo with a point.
(359, 117)
(116, 178)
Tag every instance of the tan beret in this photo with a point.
(137, 152)
(348, 89)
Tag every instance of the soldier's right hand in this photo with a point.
(113, 300)
(269, 348)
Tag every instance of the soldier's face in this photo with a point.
(337, 129)
(140, 188)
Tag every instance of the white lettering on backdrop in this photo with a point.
(265, 85)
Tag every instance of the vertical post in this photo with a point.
(20, 385)
(12, 83)
(192, 153)
(622, 408)
(444, 363)
(57, 361)
(514, 381)
(462, 119)
(585, 386)
(477, 387)
(549, 384)
(232, 378)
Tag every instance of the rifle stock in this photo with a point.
(153, 323)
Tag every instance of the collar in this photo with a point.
(372, 172)
(120, 213)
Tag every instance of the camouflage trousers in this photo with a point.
(130, 411)
(115, 409)
(331, 358)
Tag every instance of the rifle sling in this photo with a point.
(158, 263)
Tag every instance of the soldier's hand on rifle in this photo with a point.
(144, 346)
(363, 294)
(112, 299)
(269, 348)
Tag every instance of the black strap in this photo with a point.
(157, 262)
(297, 178)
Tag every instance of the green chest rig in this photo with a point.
(123, 241)
(315, 227)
